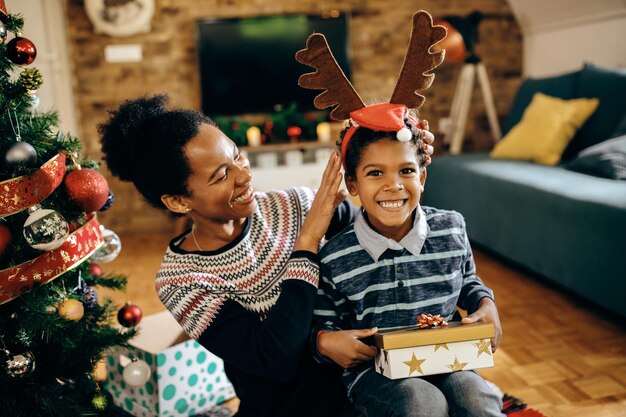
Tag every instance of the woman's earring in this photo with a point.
(188, 210)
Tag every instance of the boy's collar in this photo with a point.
(376, 244)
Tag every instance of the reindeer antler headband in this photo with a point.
(339, 92)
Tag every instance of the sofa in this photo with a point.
(565, 222)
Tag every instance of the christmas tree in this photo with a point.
(53, 328)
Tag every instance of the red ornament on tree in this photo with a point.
(129, 315)
(95, 269)
(3, 7)
(5, 238)
(87, 189)
(21, 51)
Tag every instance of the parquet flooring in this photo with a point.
(558, 354)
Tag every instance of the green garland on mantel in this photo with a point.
(273, 126)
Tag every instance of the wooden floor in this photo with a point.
(557, 355)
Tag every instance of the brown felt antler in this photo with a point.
(418, 61)
(329, 77)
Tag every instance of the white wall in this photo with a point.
(561, 35)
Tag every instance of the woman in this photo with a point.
(242, 281)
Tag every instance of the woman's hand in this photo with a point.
(345, 348)
(428, 139)
(487, 313)
(324, 204)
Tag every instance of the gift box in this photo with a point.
(412, 351)
(186, 379)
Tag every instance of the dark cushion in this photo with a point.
(561, 86)
(606, 159)
(608, 85)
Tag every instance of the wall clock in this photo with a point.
(120, 17)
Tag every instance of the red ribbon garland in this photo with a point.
(20, 193)
(78, 246)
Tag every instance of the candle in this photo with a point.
(323, 132)
(253, 134)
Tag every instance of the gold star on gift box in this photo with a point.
(484, 346)
(441, 345)
(415, 365)
(456, 365)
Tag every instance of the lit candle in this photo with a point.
(253, 134)
(323, 132)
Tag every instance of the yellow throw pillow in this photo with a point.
(547, 126)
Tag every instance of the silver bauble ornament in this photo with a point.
(22, 153)
(136, 373)
(3, 32)
(18, 366)
(45, 229)
(111, 248)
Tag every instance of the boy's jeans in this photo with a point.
(459, 394)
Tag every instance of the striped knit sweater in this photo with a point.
(355, 292)
(251, 302)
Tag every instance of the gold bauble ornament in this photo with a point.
(71, 309)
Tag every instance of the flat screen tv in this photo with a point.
(248, 66)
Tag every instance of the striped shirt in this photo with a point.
(432, 275)
(250, 303)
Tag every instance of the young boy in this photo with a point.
(396, 261)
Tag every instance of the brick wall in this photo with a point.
(379, 28)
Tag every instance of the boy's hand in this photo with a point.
(344, 347)
(428, 139)
(487, 313)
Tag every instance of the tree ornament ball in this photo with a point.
(136, 373)
(5, 238)
(18, 366)
(71, 309)
(111, 248)
(86, 188)
(21, 51)
(22, 153)
(3, 32)
(110, 200)
(45, 229)
(129, 315)
(95, 269)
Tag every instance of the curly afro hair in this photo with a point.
(364, 137)
(143, 143)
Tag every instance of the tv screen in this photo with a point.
(248, 66)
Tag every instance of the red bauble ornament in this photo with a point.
(87, 189)
(95, 269)
(129, 315)
(5, 238)
(21, 51)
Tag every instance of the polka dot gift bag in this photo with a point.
(164, 375)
